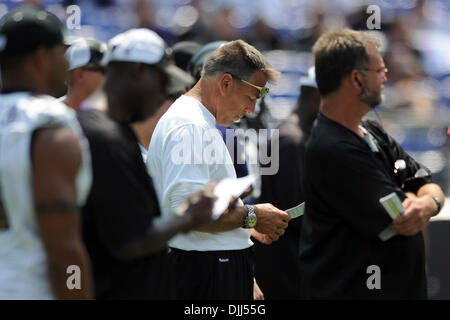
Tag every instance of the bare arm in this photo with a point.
(56, 158)
(195, 211)
(419, 209)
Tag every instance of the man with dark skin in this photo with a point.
(48, 173)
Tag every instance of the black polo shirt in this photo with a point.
(120, 209)
(344, 180)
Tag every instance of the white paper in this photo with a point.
(387, 233)
(393, 206)
(228, 188)
(296, 211)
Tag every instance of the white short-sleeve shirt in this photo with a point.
(186, 152)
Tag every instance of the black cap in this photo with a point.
(183, 52)
(25, 29)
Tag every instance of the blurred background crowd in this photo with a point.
(415, 36)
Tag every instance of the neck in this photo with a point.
(73, 99)
(344, 109)
(144, 130)
(115, 107)
(23, 80)
(205, 92)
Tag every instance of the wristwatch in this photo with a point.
(438, 205)
(250, 220)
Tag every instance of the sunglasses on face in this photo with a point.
(263, 91)
(380, 71)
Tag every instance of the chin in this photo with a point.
(224, 123)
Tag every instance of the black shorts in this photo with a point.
(216, 275)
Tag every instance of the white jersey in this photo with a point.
(23, 266)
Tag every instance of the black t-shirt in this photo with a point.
(344, 180)
(120, 208)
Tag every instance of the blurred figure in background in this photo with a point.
(285, 190)
(144, 129)
(183, 52)
(86, 73)
(263, 36)
(45, 165)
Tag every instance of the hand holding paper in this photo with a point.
(418, 211)
(228, 188)
(296, 211)
(393, 206)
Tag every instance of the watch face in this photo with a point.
(251, 221)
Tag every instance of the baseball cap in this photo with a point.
(25, 29)
(145, 46)
(310, 79)
(183, 52)
(199, 59)
(83, 52)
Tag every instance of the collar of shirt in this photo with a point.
(208, 116)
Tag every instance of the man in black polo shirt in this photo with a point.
(349, 166)
(124, 235)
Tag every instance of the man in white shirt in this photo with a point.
(187, 151)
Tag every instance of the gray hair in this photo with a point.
(241, 60)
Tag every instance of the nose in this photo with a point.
(251, 108)
(384, 75)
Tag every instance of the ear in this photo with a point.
(40, 60)
(78, 75)
(356, 80)
(225, 83)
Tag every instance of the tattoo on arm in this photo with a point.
(56, 206)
